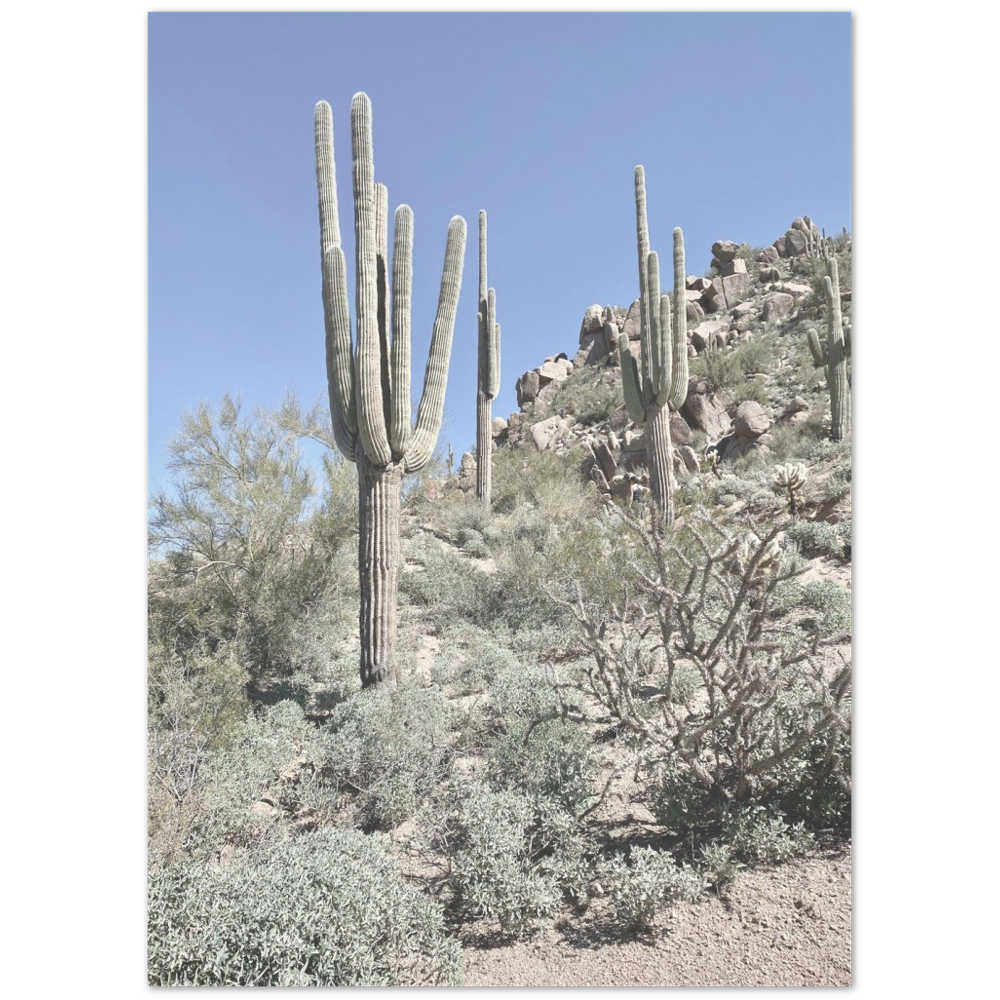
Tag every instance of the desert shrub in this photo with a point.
(470, 661)
(512, 858)
(719, 864)
(816, 538)
(522, 691)
(388, 749)
(770, 711)
(550, 759)
(585, 398)
(650, 881)
(451, 588)
(761, 835)
(328, 908)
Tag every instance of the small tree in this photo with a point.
(241, 546)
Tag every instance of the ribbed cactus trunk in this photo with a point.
(484, 448)
(840, 410)
(379, 560)
(488, 380)
(659, 458)
(369, 381)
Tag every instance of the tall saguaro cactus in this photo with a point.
(369, 380)
(834, 354)
(663, 383)
(488, 382)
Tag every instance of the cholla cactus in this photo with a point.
(833, 355)
(664, 379)
(791, 478)
(489, 373)
(750, 548)
(369, 381)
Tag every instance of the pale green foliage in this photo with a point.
(389, 750)
(243, 543)
(324, 909)
(650, 881)
(513, 858)
(550, 759)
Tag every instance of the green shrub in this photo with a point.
(324, 909)
(550, 759)
(389, 749)
(652, 881)
(513, 859)
(816, 538)
(762, 835)
(451, 588)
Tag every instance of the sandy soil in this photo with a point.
(787, 926)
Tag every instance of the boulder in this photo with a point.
(527, 387)
(766, 274)
(621, 488)
(779, 246)
(727, 291)
(798, 289)
(702, 336)
(619, 419)
(634, 440)
(680, 433)
(769, 255)
(751, 421)
(593, 349)
(593, 321)
(738, 266)
(606, 460)
(695, 313)
(777, 305)
(725, 251)
(546, 433)
(632, 327)
(689, 458)
(599, 479)
(800, 226)
(796, 243)
(498, 426)
(706, 408)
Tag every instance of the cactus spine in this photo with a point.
(369, 381)
(488, 383)
(663, 382)
(834, 354)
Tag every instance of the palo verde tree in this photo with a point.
(489, 373)
(369, 380)
(663, 345)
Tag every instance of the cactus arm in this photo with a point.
(490, 378)
(494, 386)
(368, 361)
(847, 341)
(402, 289)
(815, 348)
(645, 307)
(630, 381)
(666, 351)
(678, 339)
(653, 343)
(337, 320)
(431, 408)
(339, 360)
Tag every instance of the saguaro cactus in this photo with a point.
(488, 383)
(369, 381)
(834, 354)
(664, 378)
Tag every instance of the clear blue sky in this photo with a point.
(743, 121)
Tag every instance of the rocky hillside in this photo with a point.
(751, 371)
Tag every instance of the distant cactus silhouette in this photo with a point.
(664, 378)
(833, 355)
(488, 382)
